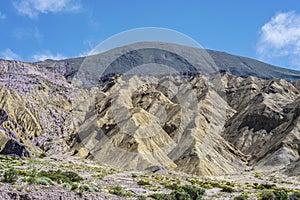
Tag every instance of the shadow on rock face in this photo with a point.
(14, 148)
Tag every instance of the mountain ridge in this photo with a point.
(214, 120)
(236, 65)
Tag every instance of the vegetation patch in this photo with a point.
(264, 186)
(281, 195)
(257, 175)
(266, 195)
(186, 192)
(243, 196)
(10, 175)
(61, 176)
(228, 189)
(144, 181)
(120, 191)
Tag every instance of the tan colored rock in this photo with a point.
(136, 124)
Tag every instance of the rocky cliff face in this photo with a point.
(185, 123)
(137, 124)
(265, 125)
(35, 103)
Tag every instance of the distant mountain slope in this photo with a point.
(242, 66)
(121, 59)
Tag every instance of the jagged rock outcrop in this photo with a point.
(135, 125)
(35, 106)
(265, 127)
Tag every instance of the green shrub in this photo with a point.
(88, 188)
(265, 186)
(61, 176)
(30, 180)
(49, 177)
(10, 175)
(24, 172)
(180, 193)
(266, 195)
(141, 197)
(66, 185)
(206, 185)
(44, 181)
(74, 186)
(281, 195)
(144, 181)
(257, 175)
(172, 186)
(133, 175)
(215, 184)
(31, 176)
(162, 196)
(226, 188)
(101, 175)
(42, 155)
(112, 171)
(186, 192)
(243, 196)
(230, 184)
(194, 191)
(119, 190)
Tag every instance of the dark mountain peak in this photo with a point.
(179, 57)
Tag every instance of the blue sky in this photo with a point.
(268, 30)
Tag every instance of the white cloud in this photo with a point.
(32, 8)
(280, 38)
(8, 54)
(2, 16)
(47, 55)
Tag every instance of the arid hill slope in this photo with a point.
(200, 123)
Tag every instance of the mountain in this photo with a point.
(123, 58)
(199, 112)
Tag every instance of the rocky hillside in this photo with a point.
(35, 107)
(138, 125)
(225, 119)
(182, 58)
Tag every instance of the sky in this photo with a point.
(34, 30)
